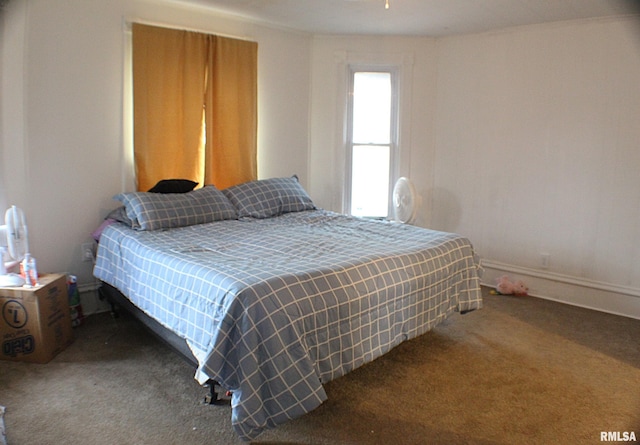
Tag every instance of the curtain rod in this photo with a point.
(127, 22)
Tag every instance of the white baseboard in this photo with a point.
(599, 296)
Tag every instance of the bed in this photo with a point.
(275, 297)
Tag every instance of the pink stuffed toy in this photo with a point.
(505, 286)
(520, 289)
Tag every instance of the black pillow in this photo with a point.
(173, 186)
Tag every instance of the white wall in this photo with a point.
(3, 75)
(537, 152)
(62, 90)
(12, 165)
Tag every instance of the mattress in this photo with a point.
(273, 308)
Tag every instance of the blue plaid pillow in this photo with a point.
(269, 197)
(153, 211)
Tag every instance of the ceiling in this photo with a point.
(433, 18)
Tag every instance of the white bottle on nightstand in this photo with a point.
(29, 271)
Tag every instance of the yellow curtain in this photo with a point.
(195, 107)
(168, 91)
(231, 108)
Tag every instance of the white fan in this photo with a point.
(405, 201)
(14, 244)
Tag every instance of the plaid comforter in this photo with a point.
(272, 308)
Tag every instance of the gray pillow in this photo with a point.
(269, 197)
(153, 211)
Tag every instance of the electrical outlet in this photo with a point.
(86, 250)
(544, 260)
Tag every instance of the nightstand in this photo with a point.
(35, 324)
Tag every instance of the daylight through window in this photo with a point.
(372, 131)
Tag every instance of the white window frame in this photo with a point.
(394, 161)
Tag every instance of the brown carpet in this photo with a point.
(521, 370)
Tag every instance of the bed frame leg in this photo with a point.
(212, 397)
(103, 297)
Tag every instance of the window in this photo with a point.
(371, 141)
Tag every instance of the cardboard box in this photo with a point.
(35, 324)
